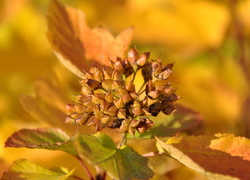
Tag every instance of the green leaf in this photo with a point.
(183, 119)
(25, 170)
(42, 138)
(222, 156)
(123, 163)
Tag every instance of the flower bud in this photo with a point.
(127, 99)
(117, 123)
(164, 74)
(154, 94)
(156, 68)
(143, 58)
(127, 68)
(107, 71)
(117, 75)
(167, 108)
(133, 55)
(147, 72)
(117, 65)
(93, 84)
(82, 119)
(155, 108)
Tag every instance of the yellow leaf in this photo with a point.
(222, 156)
(75, 44)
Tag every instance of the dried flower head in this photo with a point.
(109, 97)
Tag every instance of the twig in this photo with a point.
(85, 168)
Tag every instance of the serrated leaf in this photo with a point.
(42, 138)
(183, 119)
(75, 44)
(25, 170)
(124, 163)
(222, 156)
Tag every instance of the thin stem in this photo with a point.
(85, 168)
(76, 177)
(124, 139)
(139, 92)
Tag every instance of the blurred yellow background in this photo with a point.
(208, 40)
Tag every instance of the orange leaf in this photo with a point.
(216, 157)
(75, 44)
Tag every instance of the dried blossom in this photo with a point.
(109, 97)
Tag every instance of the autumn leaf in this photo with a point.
(42, 138)
(76, 45)
(25, 170)
(222, 156)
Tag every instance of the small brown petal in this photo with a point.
(105, 119)
(141, 129)
(112, 111)
(124, 126)
(70, 120)
(104, 105)
(121, 113)
(134, 95)
(110, 85)
(119, 103)
(86, 91)
(134, 123)
(98, 114)
(130, 86)
(80, 108)
(154, 94)
(109, 97)
(70, 108)
(164, 74)
(155, 108)
(90, 108)
(97, 98)
(127, 98)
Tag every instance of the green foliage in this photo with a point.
(98, 149)
(25, 170)
(123, 163)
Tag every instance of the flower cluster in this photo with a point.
(110, 98)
